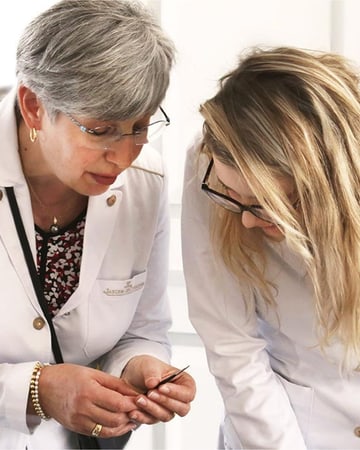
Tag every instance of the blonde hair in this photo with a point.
(294, 113)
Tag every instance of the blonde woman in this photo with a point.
(272, 252)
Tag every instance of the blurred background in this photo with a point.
(209, 36)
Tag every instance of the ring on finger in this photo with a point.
(96, 430)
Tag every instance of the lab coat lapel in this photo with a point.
(11, 175)
(100, 221)
(11, 240)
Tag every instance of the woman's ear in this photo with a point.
(30, 107)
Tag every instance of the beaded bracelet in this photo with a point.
(34, 390)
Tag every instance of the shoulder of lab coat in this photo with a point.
(258, 411)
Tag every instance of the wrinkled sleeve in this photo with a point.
(258, 411)
(14, 391)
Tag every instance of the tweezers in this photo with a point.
(171, 377)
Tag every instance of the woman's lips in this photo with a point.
(102, 179)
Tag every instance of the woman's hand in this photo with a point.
(158, 404)
(80, 397)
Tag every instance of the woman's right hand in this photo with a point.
(80, 397)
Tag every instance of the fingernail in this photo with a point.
(135, 425)
(154, 395)
(164, 389)
(141, 401)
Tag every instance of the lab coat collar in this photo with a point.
(288, 257)
(98, 234)
(11, 172)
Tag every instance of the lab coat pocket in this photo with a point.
(301, 399)
(112, 305)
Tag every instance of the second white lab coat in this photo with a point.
(279, 390)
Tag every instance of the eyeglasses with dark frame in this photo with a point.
(110, 134)
(229, 203)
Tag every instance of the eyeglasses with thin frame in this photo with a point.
(106, 135)
(229, 203)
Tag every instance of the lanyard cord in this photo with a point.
(32, 271)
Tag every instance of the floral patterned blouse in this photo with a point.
(58, 261)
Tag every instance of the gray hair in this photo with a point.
(104, 59)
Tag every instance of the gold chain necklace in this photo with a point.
(54, 227)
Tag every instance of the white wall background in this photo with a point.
(209, 36)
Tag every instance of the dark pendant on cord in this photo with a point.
(54, 227)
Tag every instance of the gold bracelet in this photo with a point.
(34, 391)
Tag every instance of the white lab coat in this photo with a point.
(279, 391)
(120, 307)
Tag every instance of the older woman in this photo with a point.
(92, 200)
(271, 229)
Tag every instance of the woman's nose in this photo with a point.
(250, 221)
(123, 153)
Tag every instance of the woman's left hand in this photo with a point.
(144, 372)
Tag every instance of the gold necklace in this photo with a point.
(54, 227)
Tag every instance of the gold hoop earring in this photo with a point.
(33, 134)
